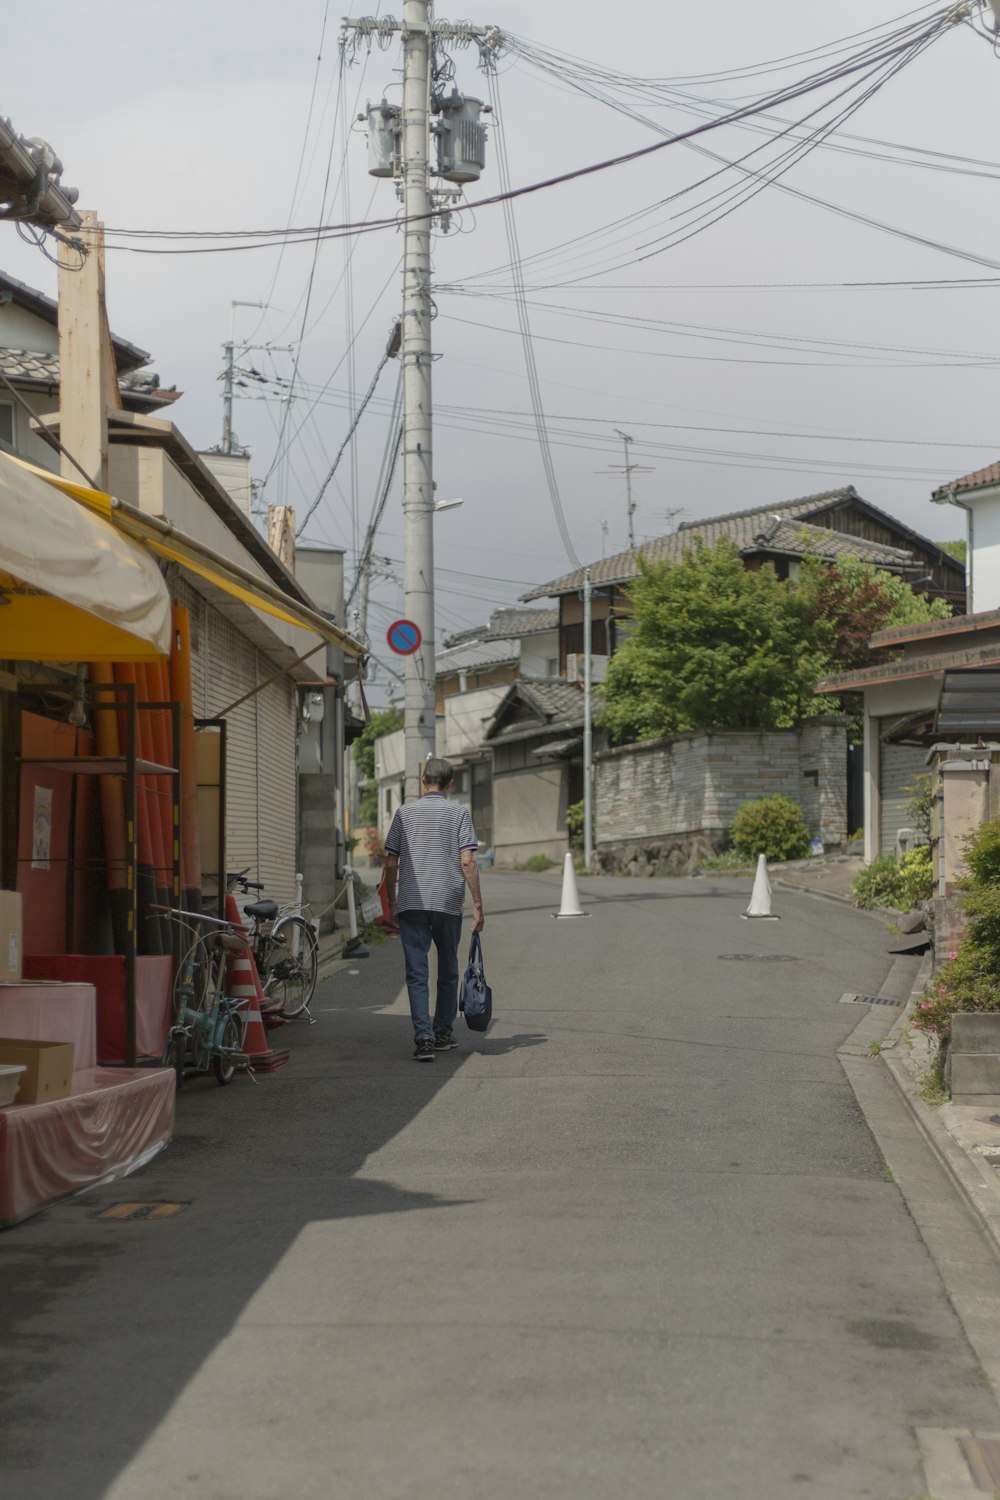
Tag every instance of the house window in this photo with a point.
(552, 666)
(7, 424)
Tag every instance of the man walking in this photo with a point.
(431, 849)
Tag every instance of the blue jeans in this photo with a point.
(417, 930)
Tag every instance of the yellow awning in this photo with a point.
(73, 587)
(165, 540)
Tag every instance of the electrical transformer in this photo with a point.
(384, 139)
(461, 139)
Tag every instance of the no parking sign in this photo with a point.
(404, 637)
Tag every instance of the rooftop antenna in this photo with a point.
(628, 469)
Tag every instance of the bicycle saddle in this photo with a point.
(265, 910)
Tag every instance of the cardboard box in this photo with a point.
(10, 937)
(49, 1065)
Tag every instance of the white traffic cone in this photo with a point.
(760, 900)
(570, 904)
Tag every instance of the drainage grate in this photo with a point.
(126, 1211)
(869, 1000)
(759, 958)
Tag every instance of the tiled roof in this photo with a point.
(980, 479)
(31, 368)
(749, 533)
(505, 623)
(472, 656)
(557, 706)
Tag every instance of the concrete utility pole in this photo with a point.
(400, 148)
(588, 728)
(415, 355)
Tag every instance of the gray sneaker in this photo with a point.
(444, 1039)
(424, 1050)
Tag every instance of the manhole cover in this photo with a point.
(869, 1000)
(124, 1211)
(759, 958)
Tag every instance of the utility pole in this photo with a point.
(415, 356)
(588, 728)
(229, 444)
(399, 147)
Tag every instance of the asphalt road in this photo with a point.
(638, 1242)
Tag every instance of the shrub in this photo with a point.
(536, 863)
(772, 826)
(982, 854)
(968, 981)
(917, 873)
(574, 825)
(879, 884)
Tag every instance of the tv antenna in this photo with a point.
(628, 469)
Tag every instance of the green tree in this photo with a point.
(848, 601)
(385, 721)
(957, 549)
(713, 644)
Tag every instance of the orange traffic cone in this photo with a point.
(244, 984)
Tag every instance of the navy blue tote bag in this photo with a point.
(476, 998)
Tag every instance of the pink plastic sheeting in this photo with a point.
(114, 1121)
(153, 977)
(52, 1013)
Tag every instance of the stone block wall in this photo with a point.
(663, 804)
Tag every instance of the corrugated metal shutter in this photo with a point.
(278, 804)
(900, 765)
(261, 771)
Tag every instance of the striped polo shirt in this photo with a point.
(428, 837)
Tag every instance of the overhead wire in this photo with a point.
(534, 388)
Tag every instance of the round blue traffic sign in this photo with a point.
(404, 637)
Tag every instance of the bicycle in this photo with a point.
(285, 948)
(208, 1031)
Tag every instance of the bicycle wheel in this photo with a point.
(291, 965)
(224, 1063)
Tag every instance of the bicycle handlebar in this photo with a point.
(239, 877)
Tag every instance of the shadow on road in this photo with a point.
(106, 1322)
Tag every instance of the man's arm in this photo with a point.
(471, 872)
(390, 877)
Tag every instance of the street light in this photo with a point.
(451, 504)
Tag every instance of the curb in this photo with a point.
(978, 1183)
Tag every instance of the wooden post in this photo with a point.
(281, 529)
(87, 379)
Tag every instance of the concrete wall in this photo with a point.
(537, 652)
(529, 811)
(665, 803)
(466, 716)
(983, 566)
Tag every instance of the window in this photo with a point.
(552, 666)
(7, 424)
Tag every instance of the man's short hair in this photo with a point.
(438, 772)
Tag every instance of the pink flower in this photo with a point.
(953, 954)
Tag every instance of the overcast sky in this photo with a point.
(197, 116)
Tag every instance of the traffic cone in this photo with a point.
(570, 904)
(244, 984)
(760, 899)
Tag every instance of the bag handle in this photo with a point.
(475, 950)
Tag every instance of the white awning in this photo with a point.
(73, 587)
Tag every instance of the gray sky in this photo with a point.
(195, 116)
